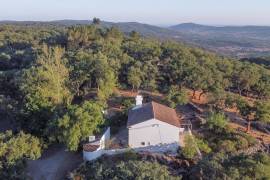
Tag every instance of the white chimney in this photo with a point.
(139, 100)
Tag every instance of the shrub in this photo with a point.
(217, 121)
(241, 142)
(251, 140)
(127, 166)
(127, 104)
(227, 146)
(203, 146)
(222, 166)
(192, 145)
(189, 151)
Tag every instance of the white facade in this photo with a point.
(153, 132)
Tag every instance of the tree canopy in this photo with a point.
(14, 149)
(56, 80)
(79, 122)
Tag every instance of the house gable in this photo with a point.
(150, 111)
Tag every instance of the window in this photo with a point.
(148, 143)
(143, 143)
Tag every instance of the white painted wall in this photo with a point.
(88, 156)
(102, 145)
(153, 132)
(165, 148)
(105, 138)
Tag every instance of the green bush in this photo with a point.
(127, 166)
(177, 96)
(221, 166)
(192, 145)
(189, 150)
(217, 121)
(227, 146)
(251, 140)
(241, 142)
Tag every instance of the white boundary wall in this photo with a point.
(165, 148)
(102, 145)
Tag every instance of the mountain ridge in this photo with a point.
(235, 41)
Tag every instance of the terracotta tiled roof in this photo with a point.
(153, 110)
(90, 147)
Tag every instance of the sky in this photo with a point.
(156, 12)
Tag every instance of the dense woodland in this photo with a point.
(48, 73)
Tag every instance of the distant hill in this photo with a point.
(240, 41)
(264, 61)
(236, 41)
(189, 26)
(144, 29)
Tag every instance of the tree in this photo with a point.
(149, 74)
(81, 37)
(48, 77)
(106, 86)
(79, 122)
(134, 77)
(217, 99)
(104, 77)
(135, 35)
(14, 149)
(96, 21)
(177, 96)
(217, 122)
(246, 110)
(245, 76)
(44, 89)
(262, 86)
(262, 110)
(196, 79)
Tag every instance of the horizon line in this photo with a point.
(159, 25)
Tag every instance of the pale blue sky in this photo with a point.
(158, 12)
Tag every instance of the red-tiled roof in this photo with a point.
(153, 110)
(90, 147)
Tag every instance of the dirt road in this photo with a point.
(54, 164)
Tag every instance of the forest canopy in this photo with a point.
(55, 82)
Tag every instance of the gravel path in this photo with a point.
(54, 164)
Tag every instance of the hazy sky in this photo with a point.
(158, 12)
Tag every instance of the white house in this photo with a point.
(152, 124)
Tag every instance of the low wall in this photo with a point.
(102, 145)
(165, 148)
(89, 156)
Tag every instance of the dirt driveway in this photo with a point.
(54, 164)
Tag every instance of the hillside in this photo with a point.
(239, 41)
(56, 81)
(144, 29)
(234, 41)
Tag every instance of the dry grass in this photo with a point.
(264, 137)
